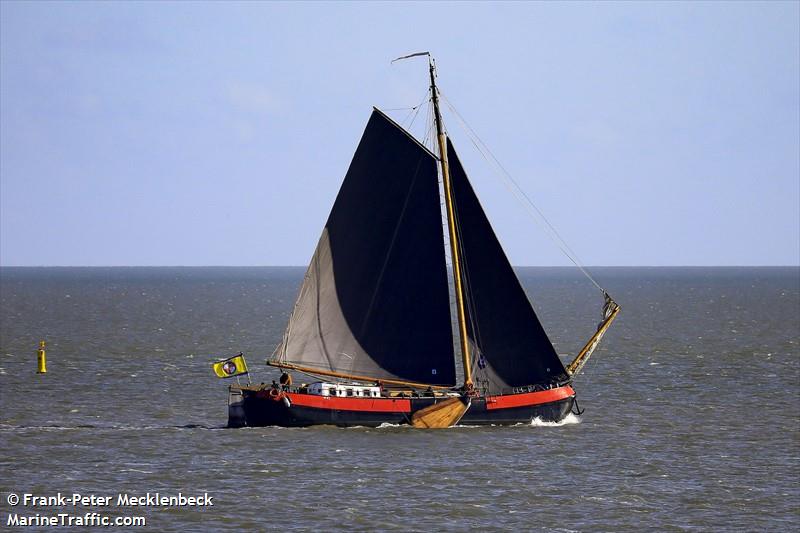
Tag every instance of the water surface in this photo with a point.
(692, 408)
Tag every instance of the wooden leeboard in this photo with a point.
(441, 414)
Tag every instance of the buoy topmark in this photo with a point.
(42, 358)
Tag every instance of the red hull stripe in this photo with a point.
(380, 405)
(528, 398)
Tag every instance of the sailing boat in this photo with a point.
(372, 324)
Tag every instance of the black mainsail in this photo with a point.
(509, 345)
(375, 298)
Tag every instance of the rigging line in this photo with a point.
(403, 122)
(517, 190)
(285, 340)
(416, 113)
(472, 312)
(428, 127)
(413, 116)
(521, 195)
(509, 184)
(415, 110)
(469, 298)
(523, 198)
(431, 128)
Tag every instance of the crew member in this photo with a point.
(286, 381)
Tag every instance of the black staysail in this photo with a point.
(375, 299)
(509, 346)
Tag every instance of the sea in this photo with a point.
(691, 415)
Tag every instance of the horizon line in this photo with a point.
(306, 266)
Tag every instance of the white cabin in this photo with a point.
(344, 390)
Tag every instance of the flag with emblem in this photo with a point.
(232, 366)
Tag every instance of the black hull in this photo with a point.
(257, 409)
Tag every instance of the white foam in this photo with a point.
(569, 419)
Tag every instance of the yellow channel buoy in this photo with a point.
(42, 358)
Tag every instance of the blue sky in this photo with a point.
(218, 134)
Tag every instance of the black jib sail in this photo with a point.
(375, 299)
(510, 347)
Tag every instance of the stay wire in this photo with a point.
(521, 195)
(428, 128)
(416, 113)
(413, 110)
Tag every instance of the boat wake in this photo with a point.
(568, 420)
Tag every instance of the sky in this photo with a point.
(187, 133)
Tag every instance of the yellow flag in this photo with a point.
(232, 366)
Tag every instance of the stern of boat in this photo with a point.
(236, 415)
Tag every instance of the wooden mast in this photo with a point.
(451, 223)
